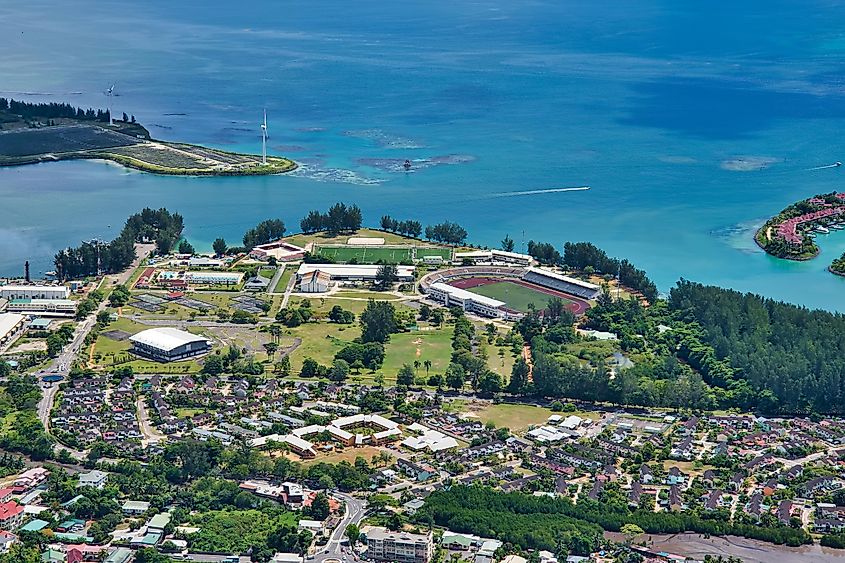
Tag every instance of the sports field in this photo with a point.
(423, 251)
(364, 255)
(516, 296)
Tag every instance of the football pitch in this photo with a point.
(365, 255)
(516, 296)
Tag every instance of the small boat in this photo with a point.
(822, 230)
(837, 163)
(836, 227)
(407, 165)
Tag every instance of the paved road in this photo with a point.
(355, 510)
(149, 432)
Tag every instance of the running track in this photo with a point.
(578, 306)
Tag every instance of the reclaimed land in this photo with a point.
(130, 145)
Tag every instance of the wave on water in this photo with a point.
(384, 139)
(310, 129)
(321, 174)
(398, 164)
(748, 163)
(160, 126)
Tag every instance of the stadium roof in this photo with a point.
(467, 295)
(165, 338)
(567, 279)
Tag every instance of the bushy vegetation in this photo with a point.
(340, 218)
(266, 231)
(52, 110)
(93, 257)
(583, 255)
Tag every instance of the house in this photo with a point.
(784, 512)
(94, 478)
(818, 484)
(420, 472)
(313, 526)
(675, 477)
(257, 283)
(135, 507)
(829, 525)
(7, 540)
(735, 482)
(675, 504)
(31, 478)
(11, 515)
(646, 474)
(635, 494)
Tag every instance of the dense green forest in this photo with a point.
(93, 257)
(705, 348)
(52, 111)
(558, 525)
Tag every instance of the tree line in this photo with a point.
(266, 231)
(340, 218)
(408, 228)
(583, 255)
(93, 257)
(52, 110)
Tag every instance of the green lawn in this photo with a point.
(282, 284)
(364, 255)
(516, 296)
(445, 253)
(433, 345)
(520, 417)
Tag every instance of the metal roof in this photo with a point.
(165, 338)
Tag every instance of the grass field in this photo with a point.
(516, 296)
(520, 417)
(445, 253)
(364, 255)
(303, 239)
(346, 454)
(282, 284)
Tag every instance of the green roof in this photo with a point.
(160, 521)
(119, 555)
(73, 538)
(52, 555)
(34, 525)
(150, 539)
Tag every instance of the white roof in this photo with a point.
(432, 440)
(561, 277)
(353, 270)
(298, 442)
(8, 321)
(41, 288)
(572, 422)
(165, 338)
(465, 295)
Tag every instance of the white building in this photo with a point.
(429, 439)
(167, 344)
(44, 307)
(11, 292)
(494, 257)
(400, 547)
(94, 478)
(316, 281)
(281, 251)
(354, 272)
(452, 296)
(11, 324)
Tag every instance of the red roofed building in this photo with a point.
(6, 494)
(11, 515)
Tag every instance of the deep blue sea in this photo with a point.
(691, 122)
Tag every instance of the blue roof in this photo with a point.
(34, 525)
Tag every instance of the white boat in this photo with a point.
(822, 230)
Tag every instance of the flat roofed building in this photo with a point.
(10, 325)
(466, 300)
(280, 250)
(402, 547)
(167, 344)
(11, 292)
(45, 307)
(494, 257)
(354, 272)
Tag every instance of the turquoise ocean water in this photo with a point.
(690, 122)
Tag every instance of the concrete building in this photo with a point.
(470, 302)
(11, 324)
(401, 547)
(11, 292)
(281, 251)
(316, 281)
(354, 272)
(94, 478)
(493, 257)
(167, 344)
(44, 307)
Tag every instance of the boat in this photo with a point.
(836, 226)
(822, 230)
(837, 163)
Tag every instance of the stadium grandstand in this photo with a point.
(559, 282)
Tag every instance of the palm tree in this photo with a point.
(416, 365)
(427, 364)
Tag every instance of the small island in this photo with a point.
(791, 233)
(32, 133)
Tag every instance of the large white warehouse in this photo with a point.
(168, 344)
(11, 292)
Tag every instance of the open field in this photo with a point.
(303, 239)
(432, 345)
(516, 296)
(520, 417)
(363, 254)
(132, 148)
(346, 454)
(284, 279)
(59, 139)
